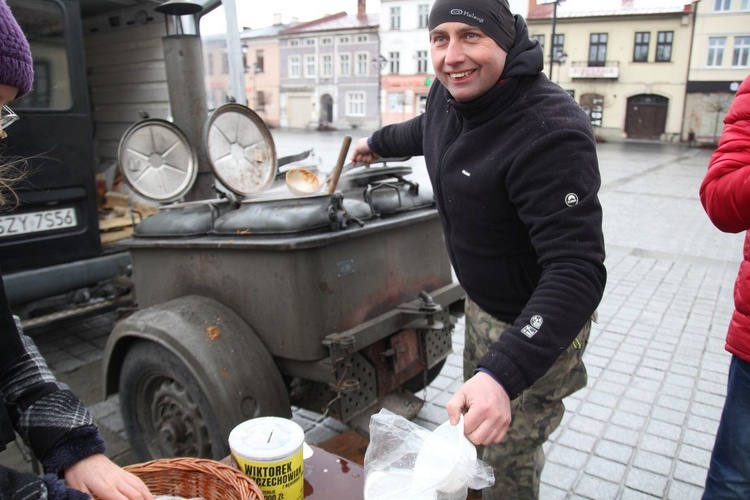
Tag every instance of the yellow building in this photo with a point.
(720, 62)
(625, 61)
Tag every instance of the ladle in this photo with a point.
(302, 181)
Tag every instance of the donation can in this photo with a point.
(269, 450)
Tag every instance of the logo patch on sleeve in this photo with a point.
(536, 321)
(529, 331)
(571, 199)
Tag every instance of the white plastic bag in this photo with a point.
(404, 460)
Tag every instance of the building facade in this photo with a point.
(625, 62)
(719, 62)
(404, 63)
(328, 79)
(216, 67)
(260, 49)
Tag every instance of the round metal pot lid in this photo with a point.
(362, 176)
(240, 149)
(157, 160)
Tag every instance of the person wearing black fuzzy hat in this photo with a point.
(512, 161)
(52, 421)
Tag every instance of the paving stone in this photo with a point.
(670, 416)
(653, 462)
(684, 491)
(614, 451)
(659, 445)
(695, 456)
(595, 488)
(622, 435)
(646, 482)
(567, 456)
(560, 476)
(608, 470)
(664, 430)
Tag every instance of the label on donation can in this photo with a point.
(269, 450)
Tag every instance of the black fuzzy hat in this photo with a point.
(493, 17)
(16, 65)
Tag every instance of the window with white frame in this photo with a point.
(363, 68)
(722, 5)
(423, 14)
(395, 18)
(310, 64)
(310, 41)
(421, 57)
(345, 68)
(343, 39)
(394, 59)
(326, 65)
(294, 67)
(741, 52)
(362, 38)
(326, 41)
(293, 43)
(715, 50)
(421, 103)
(355, 104)
(395, 102)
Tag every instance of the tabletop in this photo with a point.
(328, 476)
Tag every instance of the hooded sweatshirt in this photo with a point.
(515, 177)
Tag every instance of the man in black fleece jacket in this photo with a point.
(512, 160)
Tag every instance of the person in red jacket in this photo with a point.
(725, 194)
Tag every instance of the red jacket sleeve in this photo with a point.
(725, 191)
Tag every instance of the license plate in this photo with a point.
(36, 222)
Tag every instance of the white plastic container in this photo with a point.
(269, 450)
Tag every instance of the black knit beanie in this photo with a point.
(493, 17)
(16, 65)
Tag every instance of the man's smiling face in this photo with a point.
(467, 61)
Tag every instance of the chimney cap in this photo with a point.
(179, 8)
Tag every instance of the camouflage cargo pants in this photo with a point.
(536, 413)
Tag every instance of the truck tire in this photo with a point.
(164, 410)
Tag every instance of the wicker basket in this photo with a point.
(196, 477)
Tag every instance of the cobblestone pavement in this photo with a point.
(645, 425)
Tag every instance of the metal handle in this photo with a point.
(339, 164)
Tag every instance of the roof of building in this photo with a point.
(268, 31)
(334, 22)
(583, 8)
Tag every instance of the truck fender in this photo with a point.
(233, 367)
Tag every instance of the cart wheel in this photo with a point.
(165, 413)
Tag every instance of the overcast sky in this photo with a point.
(260, 13)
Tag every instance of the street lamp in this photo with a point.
(561, 58)
(380, 63)
(554, 23)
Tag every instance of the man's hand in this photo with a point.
(487, 406)
(362, 153)
(98, 475)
